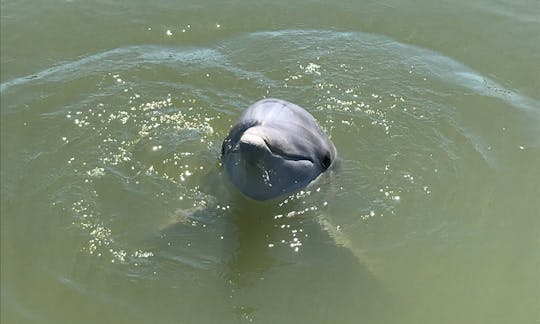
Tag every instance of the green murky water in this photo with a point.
(114, 207)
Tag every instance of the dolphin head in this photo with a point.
(275, 148)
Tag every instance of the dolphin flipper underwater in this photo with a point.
(275, 148)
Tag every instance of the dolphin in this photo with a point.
(275, 148)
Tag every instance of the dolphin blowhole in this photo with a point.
(275, 148)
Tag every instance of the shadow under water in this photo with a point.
(277, 263)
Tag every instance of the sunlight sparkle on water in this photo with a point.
(312, 68)
(96, 172)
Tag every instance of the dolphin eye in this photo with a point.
(326, 161)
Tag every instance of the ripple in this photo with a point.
(138, 130)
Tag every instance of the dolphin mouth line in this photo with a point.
(279, 154)
(286, 156)
(264, 143)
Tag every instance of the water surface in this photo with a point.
(114, 205)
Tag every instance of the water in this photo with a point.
(114, 206)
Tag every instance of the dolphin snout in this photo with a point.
(253, 147)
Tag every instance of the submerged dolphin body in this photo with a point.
(275, 148)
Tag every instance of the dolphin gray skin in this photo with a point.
(275, 148)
